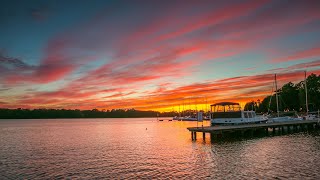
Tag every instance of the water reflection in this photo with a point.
(146, 148)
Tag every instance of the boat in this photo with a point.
(189, 118)
(285, 116)
(295, 117)
(282, 118)
(176, 118)
(185, 118)
(230, 113)
(308, 115)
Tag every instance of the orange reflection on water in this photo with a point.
(146, 148)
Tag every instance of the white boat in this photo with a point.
(310, 117)
(185, 118)
(230, 113)
(189, 118)
(176, 118)
(284, 117)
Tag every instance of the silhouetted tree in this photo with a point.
(292, 97)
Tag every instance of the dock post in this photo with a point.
(211, 137)
(282, 130)
(273, 130)
(192, 135)
(204, 136)
(195, 135)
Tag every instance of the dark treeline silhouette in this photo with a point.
(76, 113)
(292, 97)
(67, 113)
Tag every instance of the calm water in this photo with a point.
(146, 148)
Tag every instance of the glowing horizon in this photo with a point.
(152, 55)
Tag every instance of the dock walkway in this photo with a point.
(220, 130)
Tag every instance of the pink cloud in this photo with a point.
(304, 54)
(216, 17)
(244, 88)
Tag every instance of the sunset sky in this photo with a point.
(152, 54)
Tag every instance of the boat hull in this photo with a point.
(232, 121)
(284, 119)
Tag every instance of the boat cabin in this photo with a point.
(225, 110)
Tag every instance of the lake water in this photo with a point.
(146, 148)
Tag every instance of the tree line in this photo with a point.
(76, 113)
(292, 97)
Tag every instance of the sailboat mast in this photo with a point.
(305, 84)
(275, 80)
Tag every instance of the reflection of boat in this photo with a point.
(231, 113)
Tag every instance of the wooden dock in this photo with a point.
(243, 128)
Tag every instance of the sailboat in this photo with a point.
(307, 116)
(282, 118)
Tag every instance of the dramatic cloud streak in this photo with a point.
(155, 55)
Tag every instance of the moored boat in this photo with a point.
(285, 116)
(230, 113)
(185, 118)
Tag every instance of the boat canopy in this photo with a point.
(225, 107)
